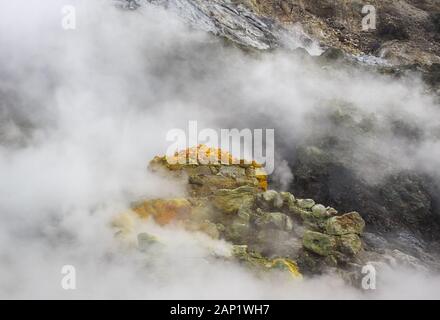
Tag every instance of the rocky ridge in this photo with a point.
(407, 31)
(406, 38)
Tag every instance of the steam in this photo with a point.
(282, 175)
(83, 111)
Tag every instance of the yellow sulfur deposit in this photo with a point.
(289, 264)
(164, 211)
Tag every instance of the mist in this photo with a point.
(83, 111)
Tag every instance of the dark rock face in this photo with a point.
(432, 76)
(403, 202)
(435, 19)
(406, 31)
(392, 31)
(236, 21)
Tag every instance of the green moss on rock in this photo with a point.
(319, 243)
(348, 223)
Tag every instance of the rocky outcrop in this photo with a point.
(403, 206)
(399, 205)
(268, 228)
(319, 243)
(349, 223)
(406, 33)
(205, 176)
(236, 21)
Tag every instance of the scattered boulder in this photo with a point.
(288, 200)
(229, 202)
(348, 223)
(349, 244)
(319, 210)
(273, 199)
(237, 231)
(306, 203)
(209, 170)
(257, 261)
(207, 227)
(319, 243)
(275, 220)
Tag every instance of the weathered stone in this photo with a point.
(276, 220)
(288, 199)
(319, 210)
(206, 174)
(341, 258)
(207, 227)
(208, 184)
(309, 262)
(232, 171)
(220, 227)
(201, 211)
(269, 195)
(313, 222)
(271, 239)
(257, 261)
(239, 250)
(273, 199)
(348, 223)
(331, 211)
(244, 213)
(374, 241)
(401, 202)
(306, 203)
(350, 244)
(237, 231)
(286, 265)
(210, 229)
(164, 211)
(319, 243)
(408, 261)
(230, 201)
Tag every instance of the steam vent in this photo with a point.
(268, 229)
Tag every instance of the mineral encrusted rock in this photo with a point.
(349, 223)
(206, 177)
(268, 228)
